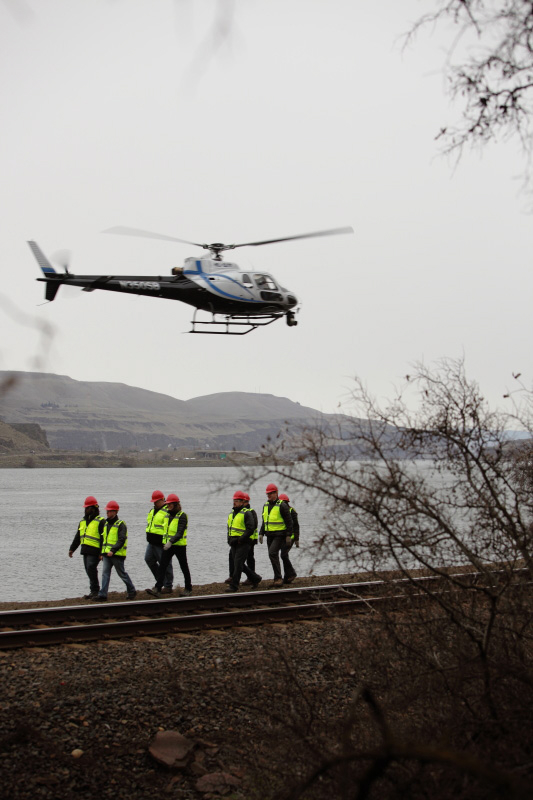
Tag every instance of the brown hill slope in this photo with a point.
(248, 405)
(95, 416)
(13, 440)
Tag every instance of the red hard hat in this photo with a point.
(246, 496)
(284, 497)
(271, 488)
(90, 501)
(112, 506)
(173, 498)
(240, 495)
(157, 495)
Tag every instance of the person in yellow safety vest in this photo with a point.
(175, 544)
(241, 527)
(277, 525)
(295, 539)
(88, 536)
(114, 549)
(250, 561)
(156, 522)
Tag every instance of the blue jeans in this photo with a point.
(153, 556)
(91, 568)
(107, 565)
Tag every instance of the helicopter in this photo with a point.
(239, 301)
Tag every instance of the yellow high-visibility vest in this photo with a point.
(171, 530)
(89, 534)
(274, 522)
(156, 521)
(236, 523)
(110, 537)
(255, 535)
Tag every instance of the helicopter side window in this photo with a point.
(247, 282)
(265, 282)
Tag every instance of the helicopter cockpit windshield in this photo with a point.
(265, 282)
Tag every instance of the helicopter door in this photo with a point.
(229, 285)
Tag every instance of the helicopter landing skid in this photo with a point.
(245, 321)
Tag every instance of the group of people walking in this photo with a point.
(280, 526)
(105, 539)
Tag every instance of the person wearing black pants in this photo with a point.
(241, 527)
(175, 544)
(89, 535)
(278, 528)
(250, 559)
(290, 572)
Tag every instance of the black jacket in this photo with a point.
(295, 525)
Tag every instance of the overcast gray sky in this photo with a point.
(307, 116)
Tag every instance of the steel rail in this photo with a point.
(170, 615)
(196, 604)
(57, 614)
(183, 624)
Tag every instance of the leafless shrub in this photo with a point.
(492, 76)
(392, 706)
(444, 683)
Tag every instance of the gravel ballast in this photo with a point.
(83, 720)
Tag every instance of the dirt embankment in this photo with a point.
(207, 588)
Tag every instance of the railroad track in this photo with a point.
(69, 624)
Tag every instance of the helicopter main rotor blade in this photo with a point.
(121, 229)
(330, 232)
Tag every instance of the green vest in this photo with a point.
(255, 535)
(110, 537)
(171, 530)
(89, 534)
(236, 524)
(156, 521)
(274, 522)
(292, 535)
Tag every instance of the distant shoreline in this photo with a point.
(42, 460)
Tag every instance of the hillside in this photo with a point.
(13, 440)
(100, 416)
(247, 405)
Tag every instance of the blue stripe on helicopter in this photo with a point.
(215, 288)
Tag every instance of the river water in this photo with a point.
(40, 510)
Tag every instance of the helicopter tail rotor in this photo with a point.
(62, 259)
